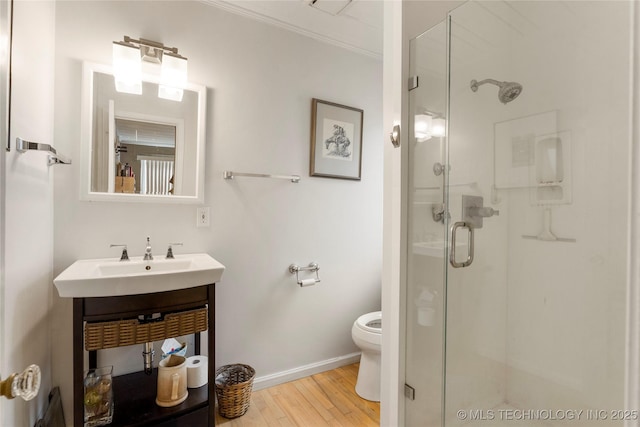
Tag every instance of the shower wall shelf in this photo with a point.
(230, 175)
(546, 235)
(22, 146)
(473, 184)
(557, 239)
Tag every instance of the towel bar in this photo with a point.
(55, 158)
(231, 175)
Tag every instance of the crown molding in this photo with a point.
(239, 10)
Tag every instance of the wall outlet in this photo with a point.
(203, 217)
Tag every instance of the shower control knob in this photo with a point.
(484, 212)
(438, 168)
(474, 211)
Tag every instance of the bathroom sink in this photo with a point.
(111, 277)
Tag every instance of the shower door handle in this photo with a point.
(452, 252)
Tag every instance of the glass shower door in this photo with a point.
(538, 142)
(426, 259)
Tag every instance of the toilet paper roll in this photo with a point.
(196, 371)
(307, 282)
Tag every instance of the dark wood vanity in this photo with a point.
(134, 394)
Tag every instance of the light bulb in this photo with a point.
(173, 77)
(127, 68)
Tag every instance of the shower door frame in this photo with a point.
(632, 368)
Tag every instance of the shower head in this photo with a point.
(508, 90)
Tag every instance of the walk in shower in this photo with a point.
(518, 216)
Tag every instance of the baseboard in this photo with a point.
(304, 371)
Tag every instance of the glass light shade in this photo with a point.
(127, 68)
(439, 127)
(170, 93)
(422, 127)
(173, 77)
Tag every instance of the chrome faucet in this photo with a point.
(170, 250)
(147, 253)
(125, 254)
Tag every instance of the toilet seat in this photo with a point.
(367, 335)
(370, 322)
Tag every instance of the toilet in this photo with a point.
(367, 334)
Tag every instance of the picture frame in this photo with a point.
(336, 140)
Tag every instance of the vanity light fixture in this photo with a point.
(127, 67)
(173, 77)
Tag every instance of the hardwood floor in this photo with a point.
(324, 399)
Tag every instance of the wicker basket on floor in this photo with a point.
(233, 385)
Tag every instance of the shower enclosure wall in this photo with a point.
(528, 329)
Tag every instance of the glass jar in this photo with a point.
(98, 396)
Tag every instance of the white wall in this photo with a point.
(29, 209)
(390, 411)
(567, 301)
(261, 80)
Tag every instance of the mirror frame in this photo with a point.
(86, 131)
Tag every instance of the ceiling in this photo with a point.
(351, 24)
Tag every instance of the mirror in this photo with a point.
(141, 147)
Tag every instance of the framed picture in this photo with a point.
(336, 140)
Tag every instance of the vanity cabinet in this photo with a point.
(134, 394)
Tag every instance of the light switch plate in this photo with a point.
(203, 217)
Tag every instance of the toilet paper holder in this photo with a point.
(312, 267)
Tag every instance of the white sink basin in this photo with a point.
(109, 277)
